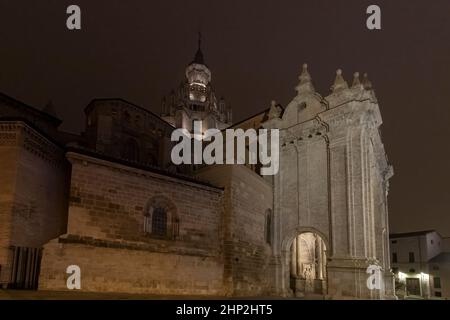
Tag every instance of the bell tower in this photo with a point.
(195, 99)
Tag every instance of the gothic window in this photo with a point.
(159, 222)
(268, 227)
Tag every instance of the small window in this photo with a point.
(437, 282)
(432, 242)
(435, 268)
(160, 219)
(394, 257)
(438, 294)
(412, 270)
(395, 270)
(411, 257)
(394, 241)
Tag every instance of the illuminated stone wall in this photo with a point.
(106, 237)
(248, 198)
(333, 181)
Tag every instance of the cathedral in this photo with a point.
(111, 202)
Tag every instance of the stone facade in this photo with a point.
(106, 234)
(333, 182)
(110, 202)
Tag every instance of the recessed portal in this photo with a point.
(308, 264)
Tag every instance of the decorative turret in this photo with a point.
(356, 83)
(305, 84)
(275, 110)
(366, 82)
(339, 82)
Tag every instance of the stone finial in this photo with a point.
(356, 83)
(366, 82)
(274, 111)
(305, 84)
(339, 82)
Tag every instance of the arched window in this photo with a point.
(268, 227)
(161, 219)
(159, 222)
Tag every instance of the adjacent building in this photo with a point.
(421, 264)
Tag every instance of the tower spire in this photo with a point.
(199, 54)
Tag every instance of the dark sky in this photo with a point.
(137, 50)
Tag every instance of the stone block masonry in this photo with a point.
(107, 238)
(108, 268)
(33, 192)
(248, 198)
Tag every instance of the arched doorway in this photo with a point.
(308, 258)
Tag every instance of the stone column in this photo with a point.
(294, 259)
(338, 180)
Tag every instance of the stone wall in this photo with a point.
(8, 163)
(33, 192)
(106, 236)
(115, 267)
(247, 200)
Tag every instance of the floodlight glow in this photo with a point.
(425, 276)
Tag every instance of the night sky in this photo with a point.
(137, 50)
